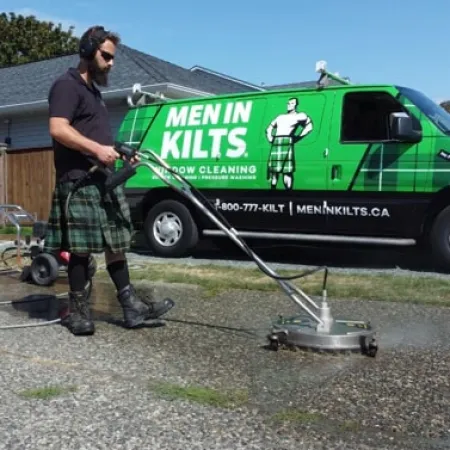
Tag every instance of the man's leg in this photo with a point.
(135, 310)
(274, 181)
(79, 320)
(288, 181)
(289, 168)
(117, 266)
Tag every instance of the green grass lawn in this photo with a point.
(214, 279)
(10, 230)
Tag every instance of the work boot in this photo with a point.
(136, 311)
(77, 318)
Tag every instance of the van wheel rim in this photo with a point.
(167, 229)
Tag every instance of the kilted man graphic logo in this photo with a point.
(282, 151)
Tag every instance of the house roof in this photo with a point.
(28, 83)
(204, 74)
(26, 86)
(300, 85)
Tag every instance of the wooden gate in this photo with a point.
(30, 179)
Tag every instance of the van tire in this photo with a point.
(440, 239)
(179, 233)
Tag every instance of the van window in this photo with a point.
(438, 115)
(365, 116)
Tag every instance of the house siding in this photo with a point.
(31, 130)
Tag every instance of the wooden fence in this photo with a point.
(27, 179)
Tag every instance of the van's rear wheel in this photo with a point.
(170, 229)
(440, 238)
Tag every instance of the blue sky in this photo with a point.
(278, 42)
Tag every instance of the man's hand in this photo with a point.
(107, 155)
(134, 159)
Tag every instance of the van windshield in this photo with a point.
(438, 115)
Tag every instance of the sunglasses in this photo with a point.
(106, 56)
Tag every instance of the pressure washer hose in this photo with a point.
(35, 300)
(119, 177)
(76, 185)
(33, 324)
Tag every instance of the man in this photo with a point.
(282, 152)
(96, 221)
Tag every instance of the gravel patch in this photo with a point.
(400, 399)
(105, 413)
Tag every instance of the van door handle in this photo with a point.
(336, 171)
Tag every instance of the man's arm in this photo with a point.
(269, 130)
(306, 121)
(63, 102)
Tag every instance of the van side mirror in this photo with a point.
(401, 128)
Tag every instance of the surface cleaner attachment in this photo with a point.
(316, 329)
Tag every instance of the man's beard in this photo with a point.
(99, 76)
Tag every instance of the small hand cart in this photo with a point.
(45, 268)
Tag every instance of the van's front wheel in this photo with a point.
(440, 239)
(170, 229)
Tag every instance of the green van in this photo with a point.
(362, 164)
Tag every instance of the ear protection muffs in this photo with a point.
(91, 42)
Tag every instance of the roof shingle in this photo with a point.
(31, 82)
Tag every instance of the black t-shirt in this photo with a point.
(70, 97)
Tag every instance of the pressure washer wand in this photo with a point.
(148, 156)
(113, 179)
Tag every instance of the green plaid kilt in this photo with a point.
(95, 221)
(281, 157)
